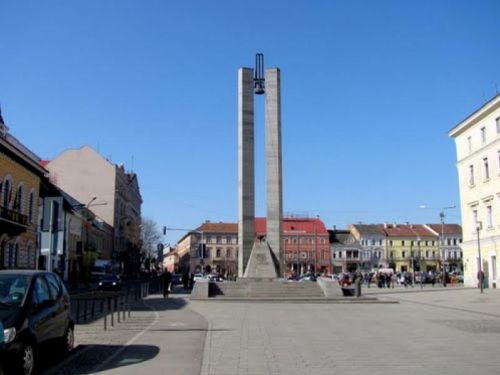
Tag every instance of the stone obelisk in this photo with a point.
(273, 161)
(246, 168)
(259, 259)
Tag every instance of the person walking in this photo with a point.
(185, 280)
(166, 280)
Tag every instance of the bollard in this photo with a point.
(357, 288)
(128, 305)
(92, 310)
(105, 316)
(110, 305)
(123, 307)
(117, 306)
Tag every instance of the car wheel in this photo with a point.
(27, 359)
(68, 340)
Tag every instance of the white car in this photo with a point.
(198, 277)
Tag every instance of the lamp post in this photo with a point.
(480, 275)
(441, 215)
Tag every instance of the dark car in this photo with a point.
(176, 279)
(110, 282)
(35, 311)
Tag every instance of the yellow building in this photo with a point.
(20, 176)
(411, 248)
(477, 141)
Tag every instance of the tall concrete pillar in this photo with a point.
(246, 171)
(273, 158)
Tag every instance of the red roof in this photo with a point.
(44, 163)
(293, 225)
(219, 227)
(290, 225)
(403, 230)
(447, 228)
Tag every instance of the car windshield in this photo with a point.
(13, 289)
(110, 278)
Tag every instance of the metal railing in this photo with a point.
(13, 216)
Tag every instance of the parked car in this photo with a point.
(198, 277)
(35, 311)
(176, 279)
(110, 282)
(308, 277)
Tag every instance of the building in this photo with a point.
(411, 248)
(110, 192)
(20, 179)
(305, 246)
(477, 141)
(450, 242)
(347, 253)
(372, 240)
(220, 252)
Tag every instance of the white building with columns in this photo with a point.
(477, 140)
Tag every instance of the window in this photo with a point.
(403, 254)
(486, 169)
(403, 243)
(427, 253)
(228, 239)
(426, 243)
(7, 192)
(471, 175)
(380, 242)
(489, 216)
(498, 124)
(454, 242)
(31, 202)
(433, 243)
(18, 200)
(448, 241)
(219, 240)
(286, 241)
(390, 242)
(469, 144)
(474, 218)
(229, 253)
(340, 254)
(373, 242)
(41, 291)
(498, 159)
(218, 252)
(483, 135)
(54, 286)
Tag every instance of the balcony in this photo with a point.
(16, 222)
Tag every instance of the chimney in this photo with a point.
(385, 225)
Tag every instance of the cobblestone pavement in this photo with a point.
(440, 332)
(93, 345)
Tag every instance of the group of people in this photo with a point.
(166, 281)
(386, 279)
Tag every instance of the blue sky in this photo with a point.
(369, 92)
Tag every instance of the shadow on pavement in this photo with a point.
(158, 303)
(89, 359)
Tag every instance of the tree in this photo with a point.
(151, 237)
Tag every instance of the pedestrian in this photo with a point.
(185, 280)
(191, 281)
(166, 280)
(480, 278)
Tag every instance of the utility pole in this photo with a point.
(441, 215)
(480, 274)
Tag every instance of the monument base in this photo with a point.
(261, 263)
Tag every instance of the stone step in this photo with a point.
(266, 288)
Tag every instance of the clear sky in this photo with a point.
(369, 92)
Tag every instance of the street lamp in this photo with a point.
(441, 215)
(480, 274)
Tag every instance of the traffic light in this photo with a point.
(164, 230)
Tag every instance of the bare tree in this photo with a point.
(151, 237)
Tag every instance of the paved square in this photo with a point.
(439, 332)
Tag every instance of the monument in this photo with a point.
(259, 259)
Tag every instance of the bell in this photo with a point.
(259, 88)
